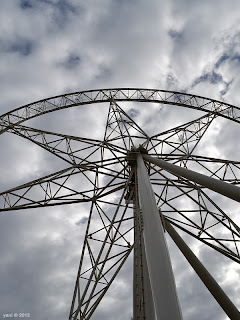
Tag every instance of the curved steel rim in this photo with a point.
(44, 106)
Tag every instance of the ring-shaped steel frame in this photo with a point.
(44, 106)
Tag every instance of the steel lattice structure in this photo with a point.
(105, 174)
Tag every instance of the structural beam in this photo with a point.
(143, 308)
(218, 186)
(217, 292)
(159, 267)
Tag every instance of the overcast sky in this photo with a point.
(51, 47)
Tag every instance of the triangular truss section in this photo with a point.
(187, 206)
(79, 183)
(72, 149)
(108, 243)
(181, 140)
(121, 129)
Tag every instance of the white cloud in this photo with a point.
(54, 47)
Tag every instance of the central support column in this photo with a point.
(159, 267)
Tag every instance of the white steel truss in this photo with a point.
(134, 183)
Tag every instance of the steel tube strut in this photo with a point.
(143, 307)
(221, 187)
(204, 275)
(159, 267)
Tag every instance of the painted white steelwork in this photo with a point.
(218, 186)
(160, 272)
(216, 291)
(105, 174)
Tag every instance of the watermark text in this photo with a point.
(16, 315)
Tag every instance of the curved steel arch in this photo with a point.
(40, 107)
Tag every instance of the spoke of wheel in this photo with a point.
(118, 127)
(182, 139)
(131, 122)
(74, 150)
(107, 254)
(57, 188)
(113, 235)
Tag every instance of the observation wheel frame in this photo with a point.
(113, 174)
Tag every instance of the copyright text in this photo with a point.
(16, 315)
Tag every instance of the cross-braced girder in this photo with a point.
(101, 173)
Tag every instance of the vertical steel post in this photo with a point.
(159, 267)
(143, 308)
(204, 275)
(138, 293)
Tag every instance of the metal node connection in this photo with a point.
(138, 188)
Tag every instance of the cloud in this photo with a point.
(52, 47)
(71, 62)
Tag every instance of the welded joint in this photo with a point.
(131, 157)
